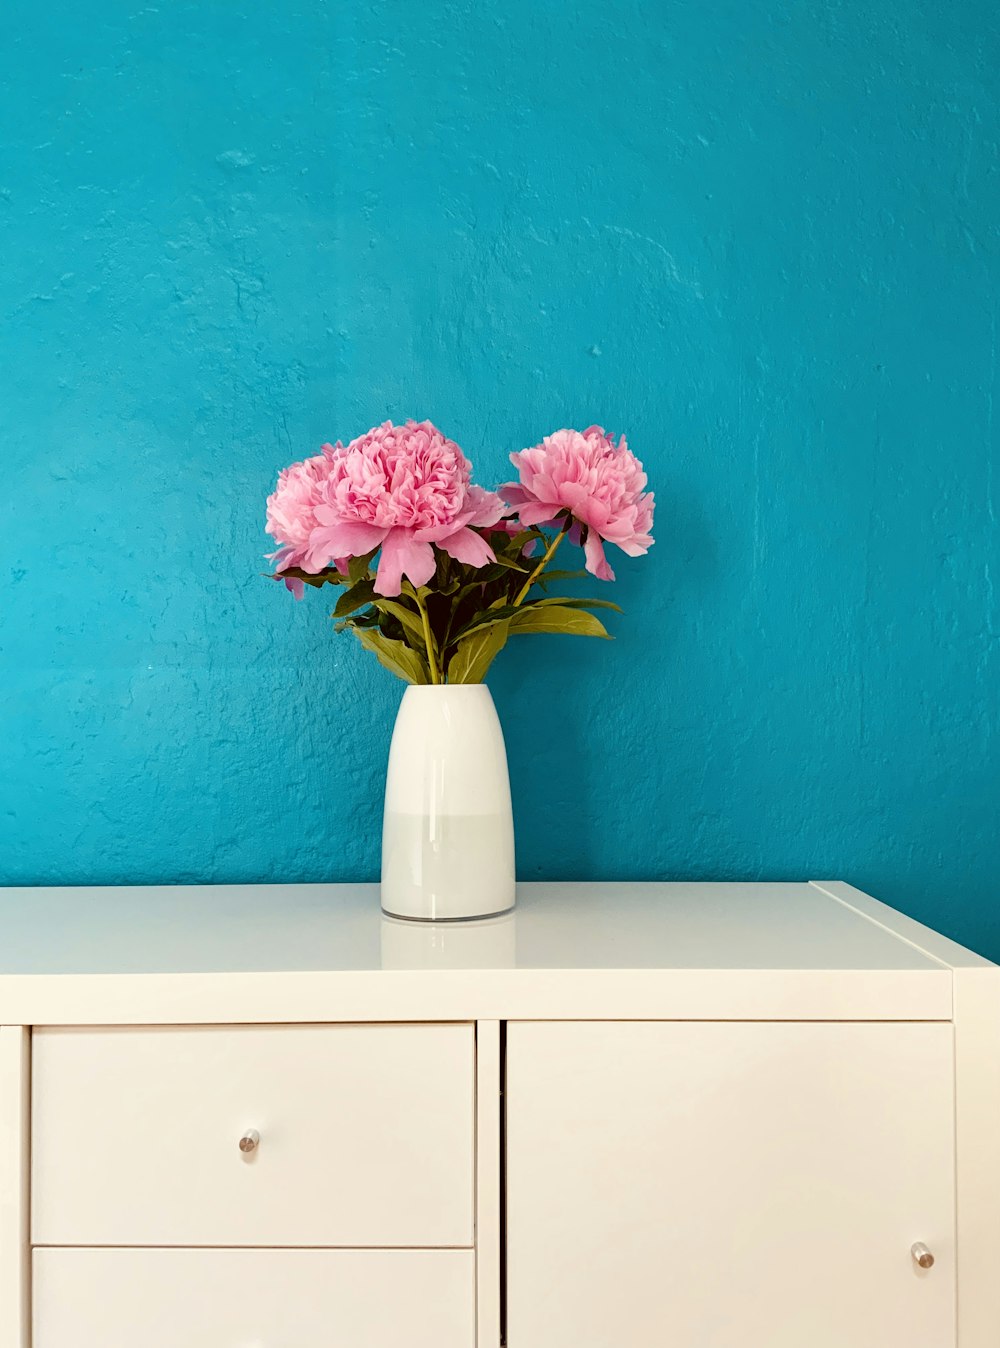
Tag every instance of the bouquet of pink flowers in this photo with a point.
(437, 573)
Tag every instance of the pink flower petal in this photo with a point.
(344, 538)
(637, 546)
(469, 547)
(487, 507)
(284, 557)
(513, 494)
(433, 533)
(597, 563)
(402, 555)
(482, 509)
(540, 512)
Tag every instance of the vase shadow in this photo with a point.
(577, 714)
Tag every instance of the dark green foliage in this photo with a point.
(466, 612)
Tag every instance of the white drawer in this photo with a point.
(366, 1136)
(264, 1298)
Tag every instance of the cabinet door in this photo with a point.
(737, 1185)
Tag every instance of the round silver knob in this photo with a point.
(922, 1255)
(249, 1140)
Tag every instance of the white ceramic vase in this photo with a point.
(448, 830)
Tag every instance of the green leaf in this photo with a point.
(395, 656)
(557, 618)
(328, 576)
(499, 611)
(410, 620)
(476, 652)
(473, 587)
(518, 542)
(357, 567)
(368, 618)
(357, 596)
(494, 571)
(579, 603)
(510, 563)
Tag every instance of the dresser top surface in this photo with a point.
(556, 926)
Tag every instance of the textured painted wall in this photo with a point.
(761, 237)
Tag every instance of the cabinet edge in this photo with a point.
(15, 1085)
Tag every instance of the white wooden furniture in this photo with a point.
(709, 1116)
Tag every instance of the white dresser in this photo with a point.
(624, 1116)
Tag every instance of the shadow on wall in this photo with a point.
(604, 758)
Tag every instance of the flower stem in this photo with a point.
(428, 638)
(549, 554)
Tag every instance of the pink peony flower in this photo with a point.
(401, 489)
(600, 484)
(291, 516)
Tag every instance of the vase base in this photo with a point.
(448, 921)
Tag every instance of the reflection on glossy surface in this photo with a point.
(486, 944)
(338, 928)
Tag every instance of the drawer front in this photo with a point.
(267, 1298)
(366, 1136)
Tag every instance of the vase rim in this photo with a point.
(446, 687)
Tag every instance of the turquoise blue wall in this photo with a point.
(760, 236)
